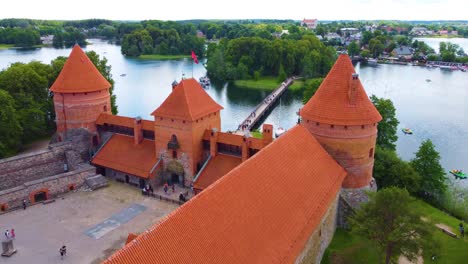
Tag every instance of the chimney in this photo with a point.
(245, 148)
(353, 84)
(267, 134)
(214, 142)
(137, 131)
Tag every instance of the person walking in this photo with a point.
(24, 204)
(7, 234)
(165, 187)
(63, 251)
(173, 187)
(462, 230)
(13, 233)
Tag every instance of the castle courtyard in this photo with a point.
(92, 224)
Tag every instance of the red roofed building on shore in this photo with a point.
(81, 94)
(258, 200)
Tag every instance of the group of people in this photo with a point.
(166, 187)
(10, 234)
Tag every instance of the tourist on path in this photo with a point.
(24, 204)
(166, 187)
(173, 187)
(462, 230)
(63, 251)
(13, 233)
(7, 234)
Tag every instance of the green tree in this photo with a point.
(390, 220)
(365, 54)
(10, 128)
(310, 87)
(391, 170)
(282, 74)
(387, 128)
(353, 49)
(375, 47)
(427, 164)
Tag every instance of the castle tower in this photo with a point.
(344, 121)
(81, 93)
(180, 123)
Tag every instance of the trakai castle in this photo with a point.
(258, 200)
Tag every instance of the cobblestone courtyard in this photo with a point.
(42, 229)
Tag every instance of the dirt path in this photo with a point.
(36, 145)
(446, 227)
(404, 260)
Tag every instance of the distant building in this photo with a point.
(47, 40)
(333, 35)
(403, 51)
(349, 31)
(309, 23)
(280, 34)
(371, 28)
(200, 34)
(443, 32)
(453, 32)
(420, 31)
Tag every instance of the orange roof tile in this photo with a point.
(331, 104)
(216, 168)
(121, 154)
(79, 75)
(263, 211)
(188, 101)
(105, 118)
(130, 238)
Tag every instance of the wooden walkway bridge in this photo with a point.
(264, 107)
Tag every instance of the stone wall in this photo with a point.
(321, 237)
(19, 169)
(52, 185)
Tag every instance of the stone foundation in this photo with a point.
(321, 237)
(350, 200)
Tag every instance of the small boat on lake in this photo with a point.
(407, 131)
(280, 131)
(428, 80)
(123, 75)
(372, 62)
(458, 174)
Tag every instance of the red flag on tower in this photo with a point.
(194, 57)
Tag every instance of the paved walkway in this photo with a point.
(263, 107)
(42, 229)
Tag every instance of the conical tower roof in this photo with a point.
(79, 75)
(341, 98)
(188, 101)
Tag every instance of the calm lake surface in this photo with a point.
(436, 110)
(434, 42)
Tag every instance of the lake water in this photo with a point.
(436, 110)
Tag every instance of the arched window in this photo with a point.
(174, 154)
(105, 108)
(371, 152)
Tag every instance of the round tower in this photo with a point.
(81, 94)
(344, 121)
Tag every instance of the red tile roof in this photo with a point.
(216, 168)
(188, 101)
(79, 75)
(121, 154)
(263, 211)
(331, 104)
(105, 118)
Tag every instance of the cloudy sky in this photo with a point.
(236, 9)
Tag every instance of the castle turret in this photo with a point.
(180, 123)
(81, 94)
(344, 121)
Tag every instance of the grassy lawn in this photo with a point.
(256, 134)
(443, 36)
(162, 57)
(6, 46)
(347, 248)
(267, 83)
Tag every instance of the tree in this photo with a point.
(427, 164)
(391, 170)
(387, 128)
(281, 74)
(353, 49)
(10, 128)
(389, 219)
(311, 86)
(376, 47)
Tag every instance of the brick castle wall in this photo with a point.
(352, 147)
(81, 109)
(321, 237)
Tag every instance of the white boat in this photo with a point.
(372, 62)
(279, 131)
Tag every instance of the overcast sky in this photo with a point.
(236, 9)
